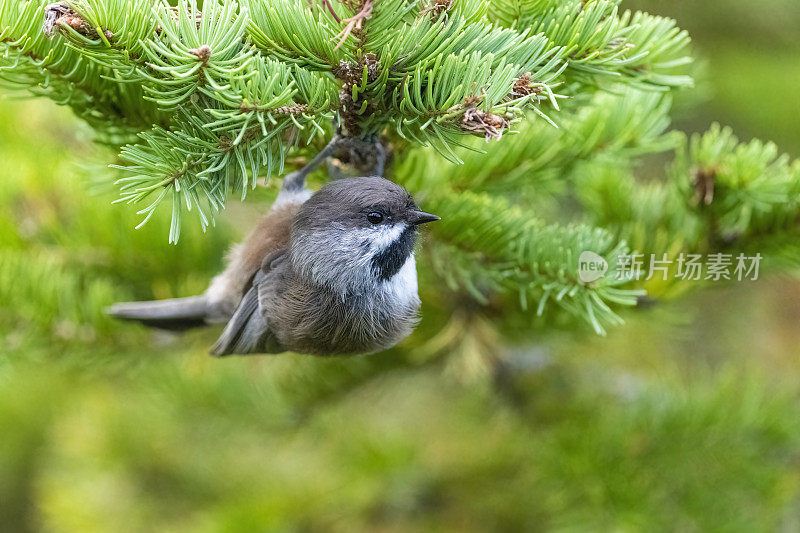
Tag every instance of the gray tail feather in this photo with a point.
(174, 314)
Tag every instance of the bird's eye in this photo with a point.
(375, 217)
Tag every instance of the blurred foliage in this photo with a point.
(687, 419)
(751, 78)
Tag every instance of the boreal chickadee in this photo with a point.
(332, 273)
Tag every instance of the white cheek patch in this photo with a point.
(402, 287)
(341, 257)
(388, 234)
(377, 238)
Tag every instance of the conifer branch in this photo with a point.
(203, 103)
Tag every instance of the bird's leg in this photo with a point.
(380, 157)
(368, 155)
(364, 156)
(295, 181)
(335, 169)
(363, 153)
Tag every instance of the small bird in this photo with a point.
(328, 274)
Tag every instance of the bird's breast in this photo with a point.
(326, 322)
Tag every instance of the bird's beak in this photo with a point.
(420, 217)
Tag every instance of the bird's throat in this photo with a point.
(391, 259)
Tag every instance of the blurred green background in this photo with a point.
(687, 418)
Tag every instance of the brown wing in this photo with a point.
(248, 331)
(270, 235)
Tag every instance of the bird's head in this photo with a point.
(355, 233)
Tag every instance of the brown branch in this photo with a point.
(523, 87)
(436, 8)
(351, 73)
(489, 124)
(703, 182)
(60, 14)
(329, 7)
(203, 53)
(355, 22)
